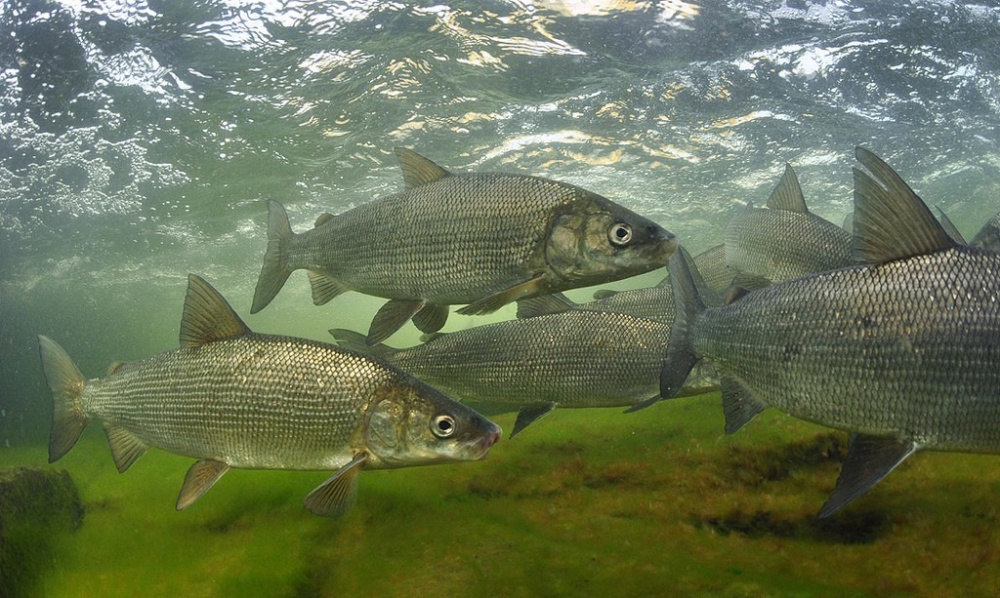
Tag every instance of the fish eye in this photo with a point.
(620, 234)
(443, 426)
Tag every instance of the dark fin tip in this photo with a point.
(275, 270)
(869, 459)
(543, 305)
(490, 304)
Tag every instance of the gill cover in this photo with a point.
(595, 240)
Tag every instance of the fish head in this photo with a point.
(414, 424)
(594, 240)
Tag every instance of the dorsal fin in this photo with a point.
(890, 220)
(323, 219)
(949, 227)
(207, 316)
(788, 194)
(418, 170)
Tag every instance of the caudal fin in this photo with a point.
(680, 356)
(66, 383)
(275, 270)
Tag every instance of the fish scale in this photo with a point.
(210, 400)
(903, 350)
(480, 239)
(232, 398)
(780, 245)
(863, 350)
(568, 359)
(785, 241)
(427, 243)
(576, 359)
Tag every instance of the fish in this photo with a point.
(651, 303)
(480, 239)
(232, 398)
(988, 236)
(566, 359)
(785, 241)
(900, 350)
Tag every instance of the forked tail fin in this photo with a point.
(66, 383)
(688, 304)
(275, 270)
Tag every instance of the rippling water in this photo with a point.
(138, 139)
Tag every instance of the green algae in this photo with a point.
(37, 508)
(583, 502)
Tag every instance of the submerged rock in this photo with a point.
(35, 506)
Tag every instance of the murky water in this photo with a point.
(140, 139)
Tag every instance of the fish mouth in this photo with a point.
(481, 447)
(669, 244)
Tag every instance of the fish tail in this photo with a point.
(275, 270)
(66, 383)
(680, 357)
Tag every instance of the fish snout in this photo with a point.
(489, 438)
(667, 240)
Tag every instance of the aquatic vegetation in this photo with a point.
(610, 503)
(38, 507)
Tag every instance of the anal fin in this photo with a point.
(126, 448)
(336, 496)
(199, 479)
(535, 286)
(869, 459)
(739, 404)
(530, 414)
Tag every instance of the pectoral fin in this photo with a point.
(391, 317)
(535, 286)
(529, 414)
(869, 459)
(202, 476)
(336, 496)
(125, 447)
(431, 317)
(543, 305)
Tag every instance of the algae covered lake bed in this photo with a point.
(584, 502)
